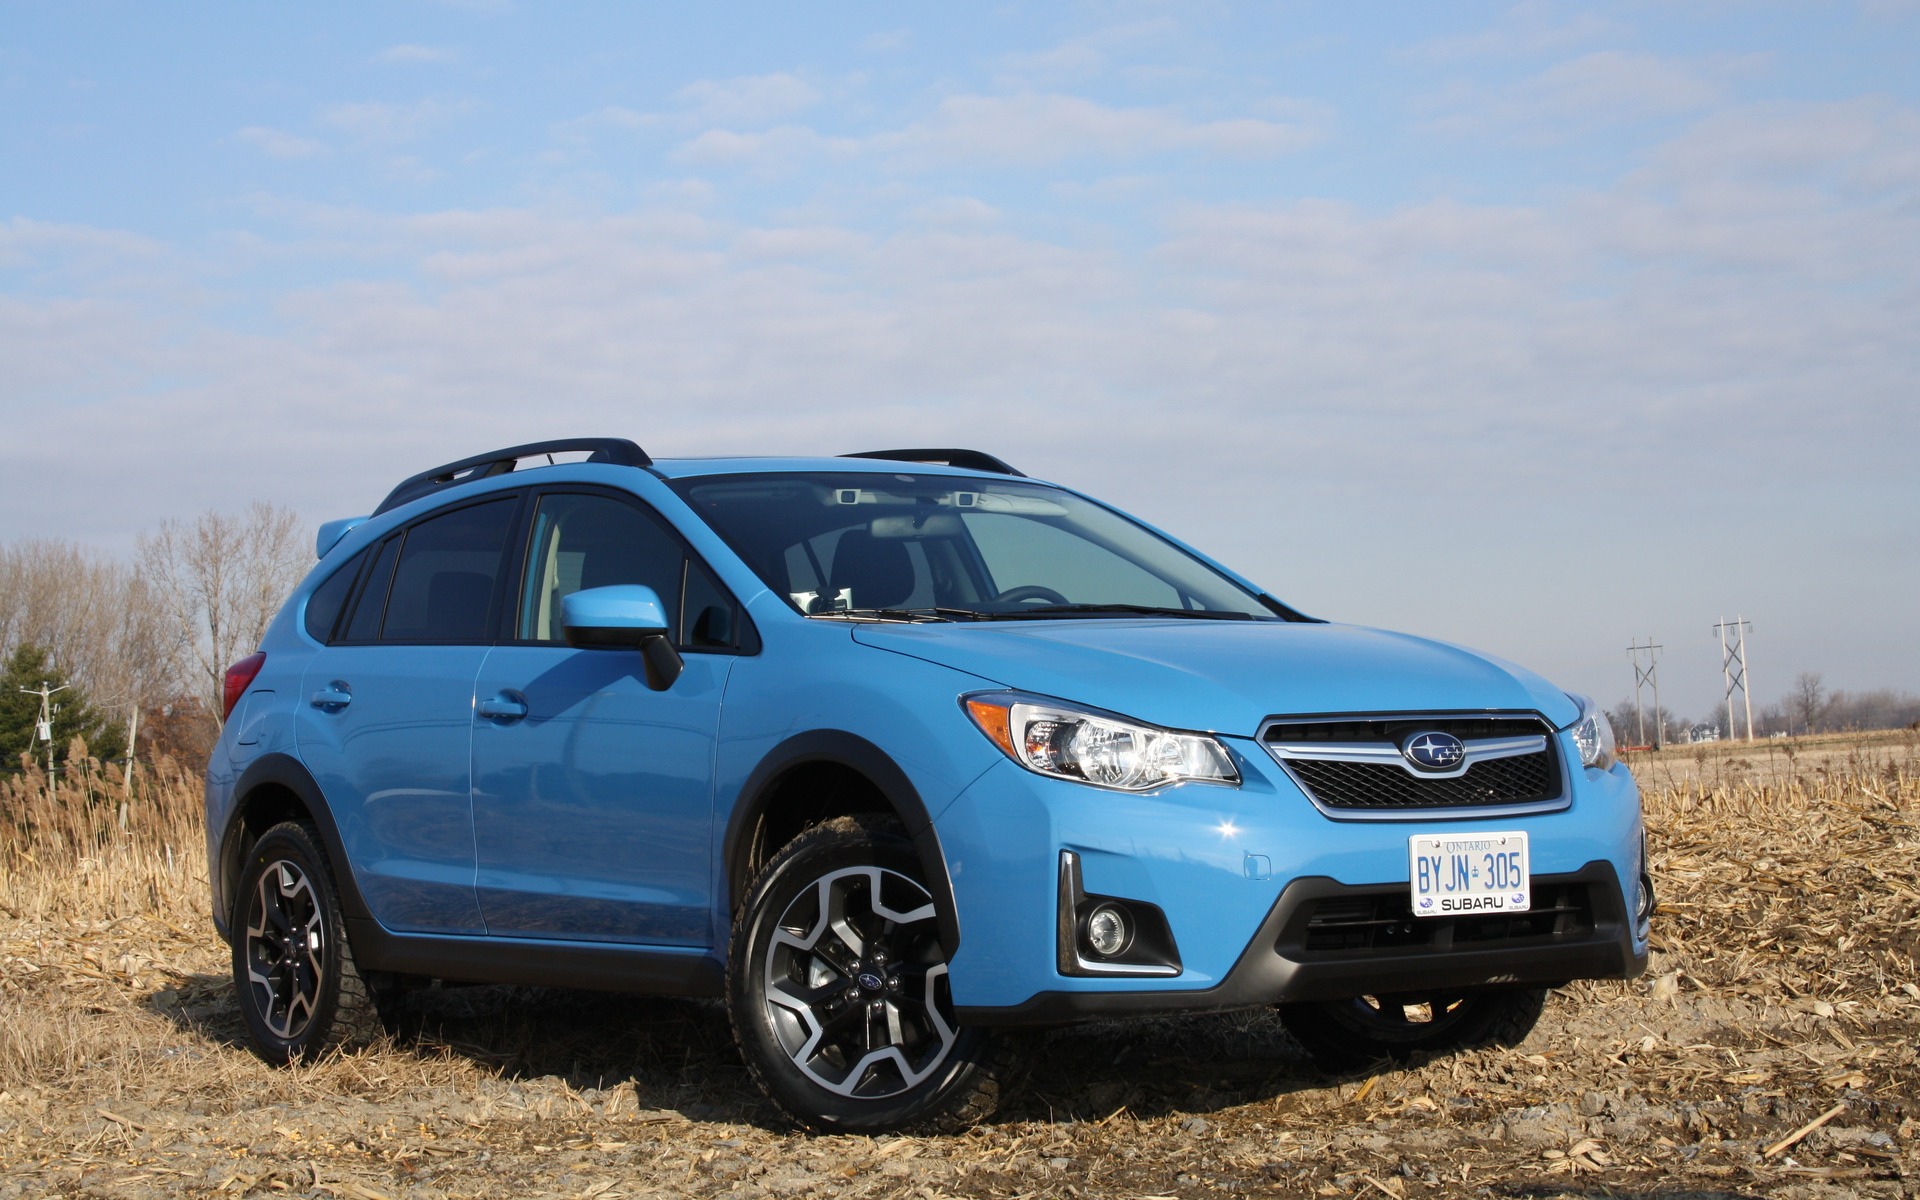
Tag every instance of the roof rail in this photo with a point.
(972, 460)
(618, 451)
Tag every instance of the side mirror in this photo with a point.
(623, 617)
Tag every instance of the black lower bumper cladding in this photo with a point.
(1324, 940)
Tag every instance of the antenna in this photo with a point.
(1647, 676)
(1733, 667)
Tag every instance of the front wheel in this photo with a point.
(837, 986)
(1345, 1035)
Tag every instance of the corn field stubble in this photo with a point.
(1784, 994)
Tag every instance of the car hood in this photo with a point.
(1226, 676)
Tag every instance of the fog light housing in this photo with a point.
(1110, 935)
(1106, 931)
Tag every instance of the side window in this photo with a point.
(324, 605)
(363, 625)
(443, 585)
(590, 541)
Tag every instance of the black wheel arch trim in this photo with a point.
(287, 772)
(839, 748)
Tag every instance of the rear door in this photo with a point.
(593, 795)
(385, 719)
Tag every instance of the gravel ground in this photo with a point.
(1784, 994)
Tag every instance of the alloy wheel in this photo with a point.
(286, 949)
(856, 984)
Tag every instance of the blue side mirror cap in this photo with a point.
(622, 615)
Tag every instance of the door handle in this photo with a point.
(504, 707)
(333, 697)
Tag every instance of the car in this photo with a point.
(897, 753)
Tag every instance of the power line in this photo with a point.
(1733, 667)
(1647, 676)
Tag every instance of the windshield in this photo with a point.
(940, 547)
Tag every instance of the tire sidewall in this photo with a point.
(297, 844)
(804, 861)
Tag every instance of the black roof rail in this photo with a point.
(618, 451)
(972, 460)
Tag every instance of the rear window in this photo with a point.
(444, 584)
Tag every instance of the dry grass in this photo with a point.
(1785, 986)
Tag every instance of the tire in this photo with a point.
(1345, 1035)
(292, 968)
(837, 988)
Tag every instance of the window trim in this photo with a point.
(491, 635)
(746, 638)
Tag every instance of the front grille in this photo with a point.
(1354, 766)
(1384, 921)
(1526, 779)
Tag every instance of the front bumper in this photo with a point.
(1257, 886)
(1324, 941)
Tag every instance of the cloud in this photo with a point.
(1523, 31)
(1302, 376)
(410, 53)
(1040, 129)
(275, 143)
(747, 100)
(1572, 97)
(381, 124)
(891, 41)
(782, 148)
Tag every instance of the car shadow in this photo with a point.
(679, 1055)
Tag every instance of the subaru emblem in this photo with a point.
(871, 981)
(1433, 751)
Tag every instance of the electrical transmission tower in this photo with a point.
(1733, 667)
(1643, 677)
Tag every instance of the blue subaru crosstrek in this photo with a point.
(893, 752)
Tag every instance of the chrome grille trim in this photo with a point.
(1294, 754)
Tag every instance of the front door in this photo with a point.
(592, 795)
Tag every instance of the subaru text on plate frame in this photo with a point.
(893, 751)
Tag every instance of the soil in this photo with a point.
(1770, 1050)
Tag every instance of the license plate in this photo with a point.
(1460, 873)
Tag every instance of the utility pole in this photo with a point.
(1733, 667)
(43, 725)
(1647, 676)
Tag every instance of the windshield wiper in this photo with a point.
(1124, 610)
(903, 614)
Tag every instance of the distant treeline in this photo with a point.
(137, 648)
(1808, 707)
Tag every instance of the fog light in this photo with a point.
(1108, 932)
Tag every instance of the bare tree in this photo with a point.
(1808, 700)
(93, 615)
(218, 580)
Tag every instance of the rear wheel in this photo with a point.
(1344, 1035)
(292, 968)
(838, 990)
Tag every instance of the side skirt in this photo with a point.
(651, 970)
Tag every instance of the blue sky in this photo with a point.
(1537, 327)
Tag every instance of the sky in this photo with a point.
(1542, 328)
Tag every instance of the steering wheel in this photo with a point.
(1030, 591)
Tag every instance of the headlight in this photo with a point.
(1593, 733)
(1094, 747)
